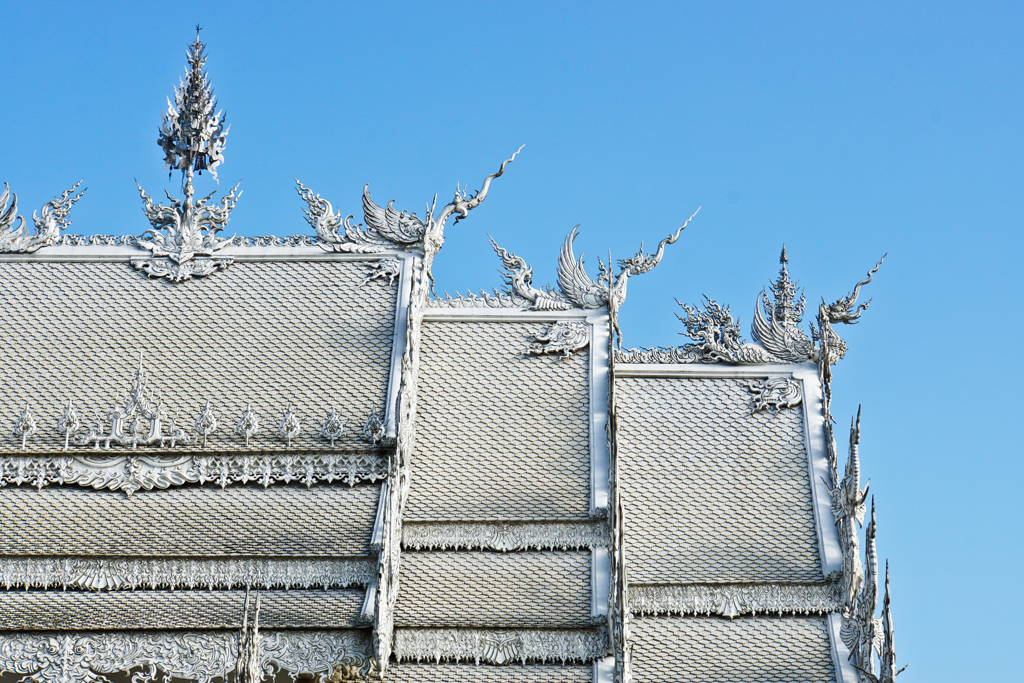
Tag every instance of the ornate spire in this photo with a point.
(777, 324)
(192, 137)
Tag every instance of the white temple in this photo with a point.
(266, 457)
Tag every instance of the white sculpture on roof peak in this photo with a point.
(52, 218)
(183, 238)
(575, 288)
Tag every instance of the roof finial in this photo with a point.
(783, 259)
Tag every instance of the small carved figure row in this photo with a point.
(137, 423)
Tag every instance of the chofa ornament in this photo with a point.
(717, 336)
(575, 288)
(52, 218)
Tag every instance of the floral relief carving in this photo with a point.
(130, 473)
(191, 655)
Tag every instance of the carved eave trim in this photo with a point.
(733, 600)
(500, 646)
(505, 536)
(131, 471)
(200, 656)
(829, 546)
(176, 573)
(409, 263)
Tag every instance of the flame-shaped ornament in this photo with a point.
(248, 424)
(333, 427)
(289, 427)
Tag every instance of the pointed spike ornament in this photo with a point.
(777, 323)
(248, 424)
(25, 426)
(848, 512)
(192, 137)
(887, 653)
(333, 427)
(206, 423)
(289, 426)
(68, 423)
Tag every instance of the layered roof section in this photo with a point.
(271, 335)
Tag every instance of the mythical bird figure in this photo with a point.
(778, 327)
(385, 228)
(575, 287)
(52, 218)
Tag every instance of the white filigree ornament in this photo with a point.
(206, 423)
(773, 394)
(289, 427)
(201, 656)
(25, 426)
(563, 337)
(248, 424)
(387, 269)
(68, 423)
(333, 427)
(139, 420)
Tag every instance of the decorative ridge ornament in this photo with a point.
(289, 426)
(333, 427)
(778, 328)
(68, 423)
(775, 326)
(385, 228)
(129, 473)
(575, 288)
(564, 337)
(206, 423)
(52, 218)
(193, 138)
(773, 394)
(25, 426)
(192, 135)
(248, 424)
(139, 420)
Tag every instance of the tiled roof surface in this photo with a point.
(469, 673)
(74, 610)
(713, 493)
(188, 521)
(499, 434)
(271, 333)
(745, 650)
(489, 589)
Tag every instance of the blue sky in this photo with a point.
(845, 131)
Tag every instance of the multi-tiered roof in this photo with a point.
(244, 457)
